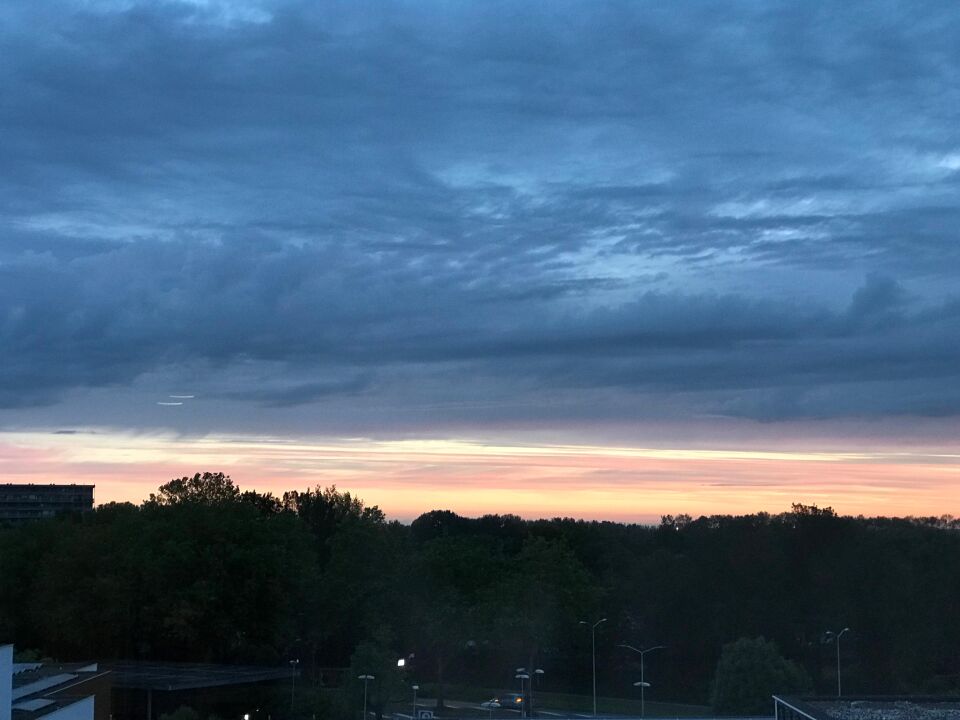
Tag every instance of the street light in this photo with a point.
(415, 688)
(366, 679)
(593, 656)
(293, 680)
(642, 685)
(539, 673)
(521, 676)
(830, 636)
(490, 705)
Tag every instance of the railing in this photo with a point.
(788, 710)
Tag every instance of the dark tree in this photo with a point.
(206, 489)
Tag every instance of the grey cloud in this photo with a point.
(879, 296)
(280, 396)
(436, 202)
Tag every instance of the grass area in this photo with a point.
(610, 705)
(573, 703)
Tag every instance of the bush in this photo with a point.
(749, 672)
(181, 713)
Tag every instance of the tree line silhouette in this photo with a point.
(203, 572)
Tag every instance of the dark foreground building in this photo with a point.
(23, 503)
(52, 691)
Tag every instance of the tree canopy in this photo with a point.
(206, 489)
(204, 572)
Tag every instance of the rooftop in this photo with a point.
(188, 676)
(41, 688)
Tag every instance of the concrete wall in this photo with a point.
(80, 710)
(6, 681)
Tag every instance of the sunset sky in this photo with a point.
(591, 259)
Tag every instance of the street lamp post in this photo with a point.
(593, 656)
(521, 676)
(539, 673)
(366, 679)
(415, 688)
(293, 681)
(642, 685)
(829, 635)
(489, 705)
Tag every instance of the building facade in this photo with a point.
(23, 503)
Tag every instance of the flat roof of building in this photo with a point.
(188, 676)
(83, 485)
(30, 678)
(39, 689)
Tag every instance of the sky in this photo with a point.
(590, 259)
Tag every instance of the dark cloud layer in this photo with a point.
(487, 211)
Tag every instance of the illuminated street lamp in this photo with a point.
(593, 655)
(830, 636)
(642, 685)
(366, 679)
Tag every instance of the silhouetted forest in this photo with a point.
(204, 572)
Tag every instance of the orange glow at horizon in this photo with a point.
(409, 477)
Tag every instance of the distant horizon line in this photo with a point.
(948, 517)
